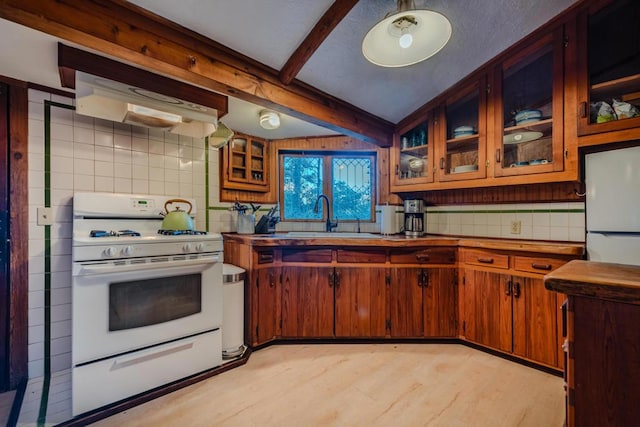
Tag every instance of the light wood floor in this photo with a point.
(6, 402)
(362, 385)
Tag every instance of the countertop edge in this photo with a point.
(396, 241)
(613, 282)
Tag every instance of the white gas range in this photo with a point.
(147, 305)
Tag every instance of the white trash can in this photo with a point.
(233, 311)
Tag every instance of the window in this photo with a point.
(346, 179)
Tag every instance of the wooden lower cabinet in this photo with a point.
(487, 313)
(511, 313)
(360, 302)
(307, 302)
(423, 302)
(535, 313)
(267, 286)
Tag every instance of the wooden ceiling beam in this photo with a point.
(325, 25)
(124, 31)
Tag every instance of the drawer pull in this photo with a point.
(541, 266)
(265, 257)
(485, 260)
(422, 257)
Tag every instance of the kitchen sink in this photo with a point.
(333, 235)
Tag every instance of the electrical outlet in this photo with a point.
(45, 217)
(515, 227)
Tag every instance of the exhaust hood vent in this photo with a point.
(110, 100)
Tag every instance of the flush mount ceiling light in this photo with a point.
(269, 119)
(406, 36)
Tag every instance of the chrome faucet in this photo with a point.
(330, 225)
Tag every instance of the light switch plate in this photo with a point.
(45, 217)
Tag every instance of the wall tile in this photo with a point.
(122, 141)
(141, 187)
(122, 170)
(122, 185)
(104, 139)
(81, 135)
(83, 182)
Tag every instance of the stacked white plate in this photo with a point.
(461, 131)
(528, 116)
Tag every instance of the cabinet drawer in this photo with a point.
(306, 255)
(265, 257)
(537, 265)
(485, 258)
(424, 256)
(361, 255)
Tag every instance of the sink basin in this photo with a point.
(334, 235)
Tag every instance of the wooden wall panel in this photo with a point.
(532, 193)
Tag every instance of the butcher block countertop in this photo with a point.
(613, 282)
(401, 241)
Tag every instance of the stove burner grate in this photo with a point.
(181, 232)
(103, 233)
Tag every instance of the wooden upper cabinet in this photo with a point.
(527, 109)
(609, 67)
(412, 153)
(246, 164)
(462, 141)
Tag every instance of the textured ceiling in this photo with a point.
(270, 30)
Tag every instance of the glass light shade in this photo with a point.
(431, 33)
(269, 119)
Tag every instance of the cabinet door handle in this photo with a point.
(331, 279)
(397, 169)
(441, 162)
(336, 278)
(425, 279)
(498, 156)
(485, 260)
(516, 290)
(564, 318)
(272, 282)
(420, 278)
(509, 285)
(541, 266)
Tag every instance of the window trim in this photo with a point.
(327, 157)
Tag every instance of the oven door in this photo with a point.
(121, 307)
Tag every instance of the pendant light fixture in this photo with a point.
(406, 36)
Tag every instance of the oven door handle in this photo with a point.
(110, 268)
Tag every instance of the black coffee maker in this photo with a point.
(413, 217)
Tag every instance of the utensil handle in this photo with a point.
(168, 202)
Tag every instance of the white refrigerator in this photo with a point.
(612, 181)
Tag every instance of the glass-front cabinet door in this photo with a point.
(413, 152)
(528, 110)
(462, 148)
(609, 64)
(246, 164)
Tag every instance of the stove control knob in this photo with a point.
(200, 247)
(127, 251)
(110, 252)
(186, 247)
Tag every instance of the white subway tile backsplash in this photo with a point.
(104, 139)
(122, 156)
(141, 187)
(80, 121)
(61, 296)
(104, 183)
(36, 282)
(63, 148)
(122, 141)
(36, 144)
(103, 169)
(60, 312)
(140, 158)
(35, 334)
(62, 181)
(171, 188)
(36, 110)
(541, 219)
(36, 129)
(83, 182)
(156, 187)
(559, 233)
(61, 279)
(82, 151)
(60, 329)
(171, 150)
(81, 166)
(37, 96)
(140, 172)
(140, 144)
(122, 185)
(82, 135)
(61, 116)
(35, 351)
(576, 234)
(61, 164)
(122, 170)
(105, 126)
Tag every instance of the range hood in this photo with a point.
(119, 102)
